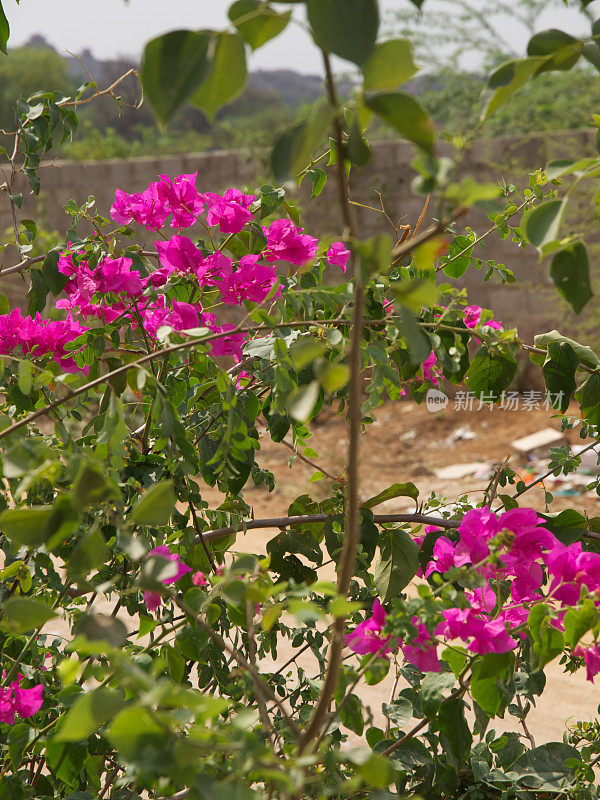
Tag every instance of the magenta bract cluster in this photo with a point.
(14, 700)
(515, 547)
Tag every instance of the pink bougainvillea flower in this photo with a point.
(183, 316)
(181, 198)
(483, 635)
(477, 527)
(229, 211)
(16, 700)
(116, 275)
(338, 255)
(443, 556)
(286, 242)
(422, 650)
(591, 656)
(199, 579)
(473, 316)
(181, 569)
(152, 600)
(214, 269)
(147, 208)
(367, 637)
(251, 282)
(27, 334)
(571, 568)
(27, 702)
(179, 254)
(230, 345)
(431, 370)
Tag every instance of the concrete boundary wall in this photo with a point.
(532, 306)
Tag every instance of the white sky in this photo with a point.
(112, 28)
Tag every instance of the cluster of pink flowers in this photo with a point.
(39, 336)
(16, 700)
(513, 547)
(114, 290)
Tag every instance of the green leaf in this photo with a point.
(398, 564)
(588, 395)
(358, 151)
(570, 272)
(568, 525)
(226, 76)
(4, 31)
(91, 486)
(486, 673)
(311, 135)
(135, 732)
(334, 377)
(406, 115)
(585, 354)
(395, 490)
(283, 153)
(545, 766)
(155, 506)
(456, 658)
(102, 629)
(508, 78)
(418, 343)
(318, 179)
(548, 641)
(455, 734)
(376, 671)
(389, 65)
(26, 526)
(90, 552)
(17, 739)
(433, 688)
(25, 376)
(351, 714)
(578, 621)
(91, 710)
(564, 49)
(415, 293)
(490, 373)
(53, 279)
(399, 712)
(540, 225)
(301, 401)
(21, 614)
(559, 373)
(305, 351)
(173, 66)
(347, 28)
(257, 22)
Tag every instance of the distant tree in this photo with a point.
(28, 70)
(446, 31)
